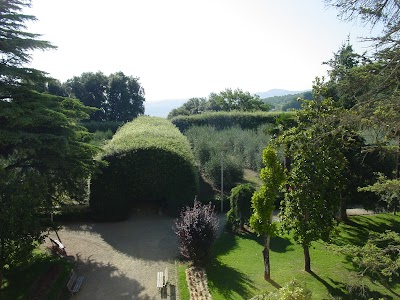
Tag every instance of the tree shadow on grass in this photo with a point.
(105, 281)
(277, 243)
(225, 243)
(357, 229)
(228, 280)
(334, 291)
(362, 292)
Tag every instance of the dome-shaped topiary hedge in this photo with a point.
(149, 162)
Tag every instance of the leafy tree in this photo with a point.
(375, 85)
(44, 157)
(263, 200)
(373, 13)
(240, 200)
(388, 190)
(117, 97)
(90, 89)
(227, 100)
(315, 181)
(197, 230)
(193, 106)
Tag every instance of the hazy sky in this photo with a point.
(189, 48)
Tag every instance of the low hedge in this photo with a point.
(223, 119)
(149, 163)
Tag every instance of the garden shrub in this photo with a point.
(197, 230)
(240, 200)
(149, 162)
(291, 291)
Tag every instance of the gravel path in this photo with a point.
(120, 260)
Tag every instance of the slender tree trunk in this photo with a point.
(398, 158)
(343, 207)
(307, 260)
(267, 266)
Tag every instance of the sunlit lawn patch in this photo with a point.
(237, 269)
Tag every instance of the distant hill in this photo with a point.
(276, 92)
(287, 101)
(163, 107)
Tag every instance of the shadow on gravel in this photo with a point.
(115, 285)
(147, 237)
(140, 237)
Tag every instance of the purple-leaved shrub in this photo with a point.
(197, 230)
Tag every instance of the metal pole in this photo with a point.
(222, 182)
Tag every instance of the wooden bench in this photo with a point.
(162, 279)
(74, 283)
(58, 247)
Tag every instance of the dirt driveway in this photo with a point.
(120, 260)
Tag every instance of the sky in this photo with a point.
(188, 48)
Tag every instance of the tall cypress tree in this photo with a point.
(44, 155)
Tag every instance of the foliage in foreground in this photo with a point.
(293, 290)
(26, 282)
(197, 230)
(45, 158)
(150, 163)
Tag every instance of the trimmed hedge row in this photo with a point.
(223, 119)
(149, 163)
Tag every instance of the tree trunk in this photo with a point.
(267, 266)
(307, 260)
(343, 206)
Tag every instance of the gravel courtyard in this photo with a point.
(121, 260)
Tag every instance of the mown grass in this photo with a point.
(21, 283)
(236, 271)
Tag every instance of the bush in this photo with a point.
(149, 163)
(240, 200)
(197, 230)
(291, 291)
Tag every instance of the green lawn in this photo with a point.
(237, 269)
(23, 282)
